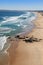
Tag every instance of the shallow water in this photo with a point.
(14, 24)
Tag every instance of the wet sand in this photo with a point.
(23, 53)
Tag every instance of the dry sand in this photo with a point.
(29, 53)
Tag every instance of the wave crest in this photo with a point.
(19, 22)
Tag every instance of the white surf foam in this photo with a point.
(2, 42)
(9, 20)
(24, 26)
(16, 19)
(27, 21)
(18, 25)
(5, 30)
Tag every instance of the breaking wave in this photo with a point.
(17, 24)
(12, 25)
(8, 20)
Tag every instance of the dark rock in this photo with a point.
(21, 38)
(32, 39)
(26, 37)
(29, 40)
(17, 36)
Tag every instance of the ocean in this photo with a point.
(15, 22)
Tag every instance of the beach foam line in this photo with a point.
(3, 40)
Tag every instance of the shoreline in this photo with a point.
(23, 32)
(15, 43)
(30, 53)
(28, 32)
(23, 53)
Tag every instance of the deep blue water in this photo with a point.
(11, 26)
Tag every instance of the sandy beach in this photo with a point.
(23, 53)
